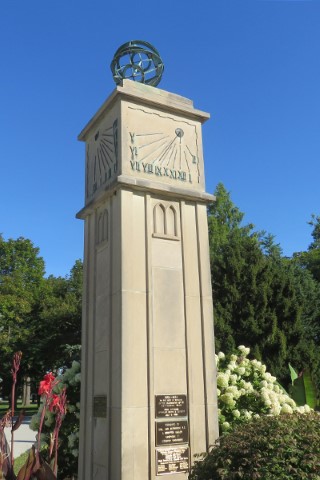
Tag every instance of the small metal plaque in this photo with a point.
(100, 406)
(171, 406)
(172, 460)
(171, 433)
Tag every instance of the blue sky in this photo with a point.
(253, 64)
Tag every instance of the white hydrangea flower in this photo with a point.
(248, 386)
(249, 380)
(233, 378)
(240, 370)
(286, 408)
(228, 399)
(275, 409)
(232, 365)
(247, 414)
(225, 426)
(233, 390)
(303, 409)
(244, 350)
(221, 356)
(291, 402)
(222, 380)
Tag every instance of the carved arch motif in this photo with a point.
(165, 221)
(103, 227)
(171, 221)
(159, 215)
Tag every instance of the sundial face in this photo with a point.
(102, 157)
(164, 148)
(144, 142)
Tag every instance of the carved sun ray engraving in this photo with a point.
(168, 148)
(102, 157)
(151, 143)
(153, 151)
(170, 156)
(166, 155)
(164, 152)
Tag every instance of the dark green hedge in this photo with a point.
(269, 448)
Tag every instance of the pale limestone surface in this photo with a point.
(147, 308)
(24, 437)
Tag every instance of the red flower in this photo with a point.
(55, 403)
(47, 384)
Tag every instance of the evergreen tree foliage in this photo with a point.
(311, 258)
(261, 299)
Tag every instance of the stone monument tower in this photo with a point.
(148, 399)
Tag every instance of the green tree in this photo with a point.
(261, 299)
(60, 319)
(21, 284)
(311, 258)
(39, 316)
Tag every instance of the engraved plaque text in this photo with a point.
(171, 406)
(100, 406)
(172, 460)
(170, 433)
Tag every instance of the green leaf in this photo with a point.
(310, 389)
(297, 391)
(293, 374)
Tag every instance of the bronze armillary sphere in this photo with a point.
(138, 61)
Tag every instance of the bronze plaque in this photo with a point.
(171, 433)
(100, 406)
(172, 460)
(171, 406)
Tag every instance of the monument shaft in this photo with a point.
(148, 398)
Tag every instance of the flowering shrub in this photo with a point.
(56, 403)
(68, 382)
(246, 390)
